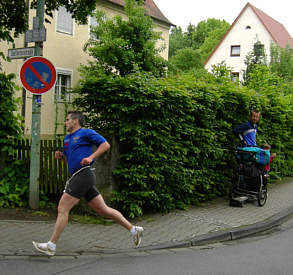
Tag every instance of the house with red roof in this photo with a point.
(151, 9)
(252, 25)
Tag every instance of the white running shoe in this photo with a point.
(44, 248)
(137, 236)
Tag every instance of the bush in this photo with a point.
(14, 186)
(10, 125)
(175, 134)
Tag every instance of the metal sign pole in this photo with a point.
(36, 122)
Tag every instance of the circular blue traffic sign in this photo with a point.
(38, 75)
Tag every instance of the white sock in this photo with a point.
(51, 245)
(132, 230)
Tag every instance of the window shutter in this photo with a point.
(93, 23)
(64, 21)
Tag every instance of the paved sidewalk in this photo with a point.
(212, 221)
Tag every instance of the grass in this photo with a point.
(40, 214)
(74, 217)
(90, 219)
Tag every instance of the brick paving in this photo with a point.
(210, 217)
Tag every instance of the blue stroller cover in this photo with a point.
(262, 156)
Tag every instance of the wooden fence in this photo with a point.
(53, 172)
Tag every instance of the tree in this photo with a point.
(280, 67)
(282, 62)
(254, 58)
(13, 17)
(195, 36)
(13, 14)
(211, 41)
(202, 39)
(205, 29)
(185, 60)
(177, 41)
(124, 46)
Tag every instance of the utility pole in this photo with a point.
(36, 118)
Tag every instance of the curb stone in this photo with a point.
(220, 236)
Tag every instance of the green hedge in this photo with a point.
(10, 122)
(13, 177)
(175, 134)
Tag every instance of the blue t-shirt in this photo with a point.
(79, 145)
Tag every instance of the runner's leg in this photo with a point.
(65, 205)
(98, 205)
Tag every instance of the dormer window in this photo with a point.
(235, 50)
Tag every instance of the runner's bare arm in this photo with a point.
(100, 151)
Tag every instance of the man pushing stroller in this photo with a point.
(247, 131)
(247, 134)
(251, 160)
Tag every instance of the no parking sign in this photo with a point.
(38, 75)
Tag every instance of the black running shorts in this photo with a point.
(82, 184)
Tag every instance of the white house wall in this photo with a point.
(240, 35)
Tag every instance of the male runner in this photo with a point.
(78, 151)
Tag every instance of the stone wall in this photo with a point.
(104, 167)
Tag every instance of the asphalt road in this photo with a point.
(270, 253)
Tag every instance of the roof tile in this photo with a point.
(151, 9)
(276, 29)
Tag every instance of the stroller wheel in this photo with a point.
(262, 196)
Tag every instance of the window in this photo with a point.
(235, 76)
(93, 23)
(64, 21)
(63, 86)
(235, 50)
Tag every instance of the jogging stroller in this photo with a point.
(250, 184)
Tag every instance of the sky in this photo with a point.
(183, 12)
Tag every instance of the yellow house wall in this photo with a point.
(65, 52)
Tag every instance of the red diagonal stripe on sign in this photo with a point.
(37, 75)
